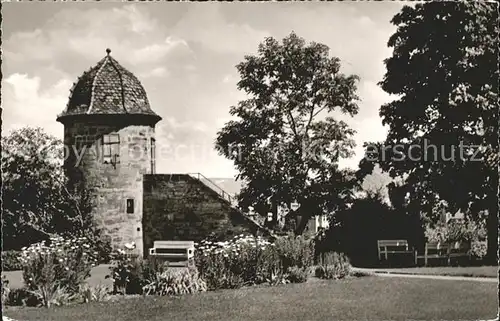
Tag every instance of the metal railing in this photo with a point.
(225, 195)
(216, 188)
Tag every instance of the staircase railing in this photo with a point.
(225, 195)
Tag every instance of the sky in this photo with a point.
(185, 55)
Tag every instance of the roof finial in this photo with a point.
(108, 51)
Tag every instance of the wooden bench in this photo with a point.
(176, 253)
(444, 251)
(387, 247)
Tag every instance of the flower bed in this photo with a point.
(248, 260)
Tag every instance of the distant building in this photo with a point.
(314, 224)
(109, 128)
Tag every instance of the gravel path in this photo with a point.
(426, 276)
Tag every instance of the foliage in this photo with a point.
(456, 231)
(356, 230)
(294, 252)
(297, 274)
(98, 293)
(31, 170)
(232, 264)
(285, 143)
(169, 282)
(22, 297)
(252, 260)
(130, 273)
(444, 73)
(37, 202)
(49, 294)
(5, 289)
(11, 261)
(58, 267)
(478, 249)
(333, 266)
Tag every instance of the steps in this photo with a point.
(229, 198)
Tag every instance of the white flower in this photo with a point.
(130, 246)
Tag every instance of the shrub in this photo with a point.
(333, 266)
(297, 275)
(54, 294)
(11, 260)
(169, 282)
(478, 249)
(22, 297)
(130, 273)
(99, 293)
(456, 231)
(247, 260)
(59, 267)
(5, 289)
(295, 251)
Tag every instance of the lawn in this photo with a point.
(374, 298)
(472, 271)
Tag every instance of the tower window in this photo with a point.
(130, 205)
(153, 153)
(111, 148)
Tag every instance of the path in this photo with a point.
(425, 276)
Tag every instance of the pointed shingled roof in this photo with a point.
(108, 89)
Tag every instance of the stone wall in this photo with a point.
(113, 183)
(180, 207)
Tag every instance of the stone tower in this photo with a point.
(109, 130)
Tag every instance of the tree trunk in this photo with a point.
(301, 225)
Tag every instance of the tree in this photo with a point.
(443, 126)
(37, 203)
(285, 142)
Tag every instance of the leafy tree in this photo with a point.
(444, 71)
(37, 203)
(285, 142)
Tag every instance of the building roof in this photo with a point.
(107, 89)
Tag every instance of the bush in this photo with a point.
(185, 281)
(248, 260)
(478, 249)
(333, 266)
(54, 294)
(130, 273)
(295, 251)
(99, 293)
(5, 289)
(22, 297)
(456, 231)
(11, 260)
(59, 267)
(297, 275)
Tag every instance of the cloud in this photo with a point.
(184, 55)
(25, 104)
(206, 24)
(130, 31)
(158, 72)
(157, 51)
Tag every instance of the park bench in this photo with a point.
(444, 251)
(176, 253)
(390, 247)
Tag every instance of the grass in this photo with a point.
(374, 298)
(469, 271)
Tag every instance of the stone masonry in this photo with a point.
(132, 203)
(180, 207)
